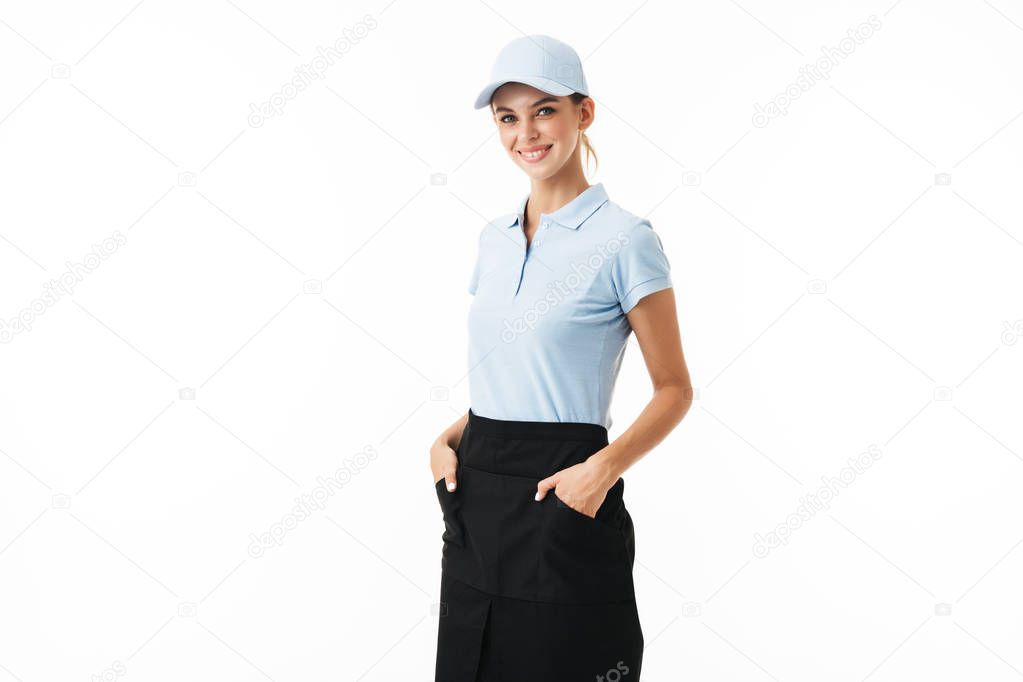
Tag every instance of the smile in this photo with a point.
(534, 156)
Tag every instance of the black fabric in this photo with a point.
(533, 590)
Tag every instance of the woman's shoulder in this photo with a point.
(612, 219)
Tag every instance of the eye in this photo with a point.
(540, 112)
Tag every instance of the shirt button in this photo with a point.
(546, 225)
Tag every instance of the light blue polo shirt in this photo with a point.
(547, 324)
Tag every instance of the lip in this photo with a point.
(538, 159)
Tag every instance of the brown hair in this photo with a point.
(576, 98)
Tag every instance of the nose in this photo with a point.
(529, 130)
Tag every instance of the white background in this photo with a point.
(834, 297)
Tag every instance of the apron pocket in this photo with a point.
(584, 560)
(502, 525)
(453, 533)
(502, 541)
(450, 502)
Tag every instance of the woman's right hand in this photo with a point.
(443, 462)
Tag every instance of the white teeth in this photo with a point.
(533, 155)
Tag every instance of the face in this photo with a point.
(541, 132)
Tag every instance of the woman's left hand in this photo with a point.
(582, 486)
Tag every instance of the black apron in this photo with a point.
(533, 590)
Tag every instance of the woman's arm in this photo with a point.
(443, 459)
(655, 322)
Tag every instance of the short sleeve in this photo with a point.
(640, 267)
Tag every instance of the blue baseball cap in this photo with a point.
(540, 61)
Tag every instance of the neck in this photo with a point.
(548, 195)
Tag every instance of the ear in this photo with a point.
(586, 113)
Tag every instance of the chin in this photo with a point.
(542, 171)
(538, 173)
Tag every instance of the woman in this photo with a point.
(538, 545)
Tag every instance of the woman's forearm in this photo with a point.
(666, 408)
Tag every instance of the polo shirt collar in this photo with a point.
(571, 215)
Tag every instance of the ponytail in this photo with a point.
(576, 98)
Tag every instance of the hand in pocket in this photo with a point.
(444, 464)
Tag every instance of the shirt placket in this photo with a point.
(526, 251)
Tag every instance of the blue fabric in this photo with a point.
(547, 325)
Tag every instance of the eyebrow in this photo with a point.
(534, 104)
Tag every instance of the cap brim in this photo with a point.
(545, 84)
